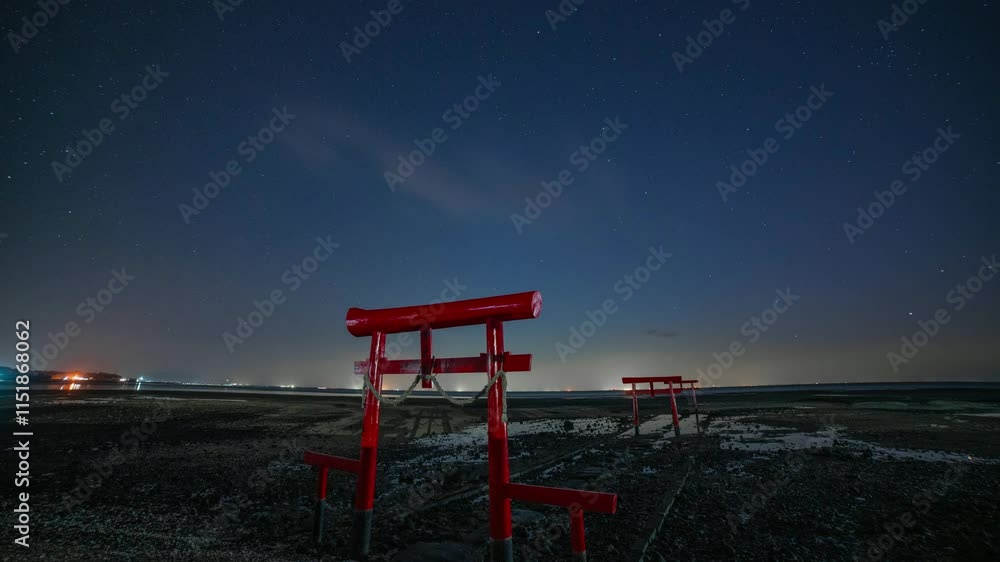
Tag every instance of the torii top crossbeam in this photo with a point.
(472, 312)
(652, 380)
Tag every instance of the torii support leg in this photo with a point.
(635, 410)
(694, 397)
(577, 535)
(426, 357)
(320, 500)
(323, 464)
(575, 501)
(364, 498)
(501, 547)
(673, 410)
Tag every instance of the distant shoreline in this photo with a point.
(148, 386)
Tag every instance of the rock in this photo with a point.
(525, 517)
(588, 472)
(437, 552)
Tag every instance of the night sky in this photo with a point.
(662, 180)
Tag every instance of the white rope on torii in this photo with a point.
(500, 374)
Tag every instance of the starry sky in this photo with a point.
(207, 82)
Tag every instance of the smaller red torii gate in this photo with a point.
(493, 312)
(670, 390)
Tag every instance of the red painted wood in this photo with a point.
(493, 312)
(673, 409)
(635, 408)
(364, 497)
(577, 532)
(596, 502)
(628, 380)
(321, 484)
(505, 308)
(330, 461)
(498, 462)
(426, 357)
(652, 391)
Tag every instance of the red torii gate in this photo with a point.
(670, 382)
(493, 312)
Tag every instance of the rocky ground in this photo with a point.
(841, 500)
(857, 475)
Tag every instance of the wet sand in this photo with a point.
(795, 475)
